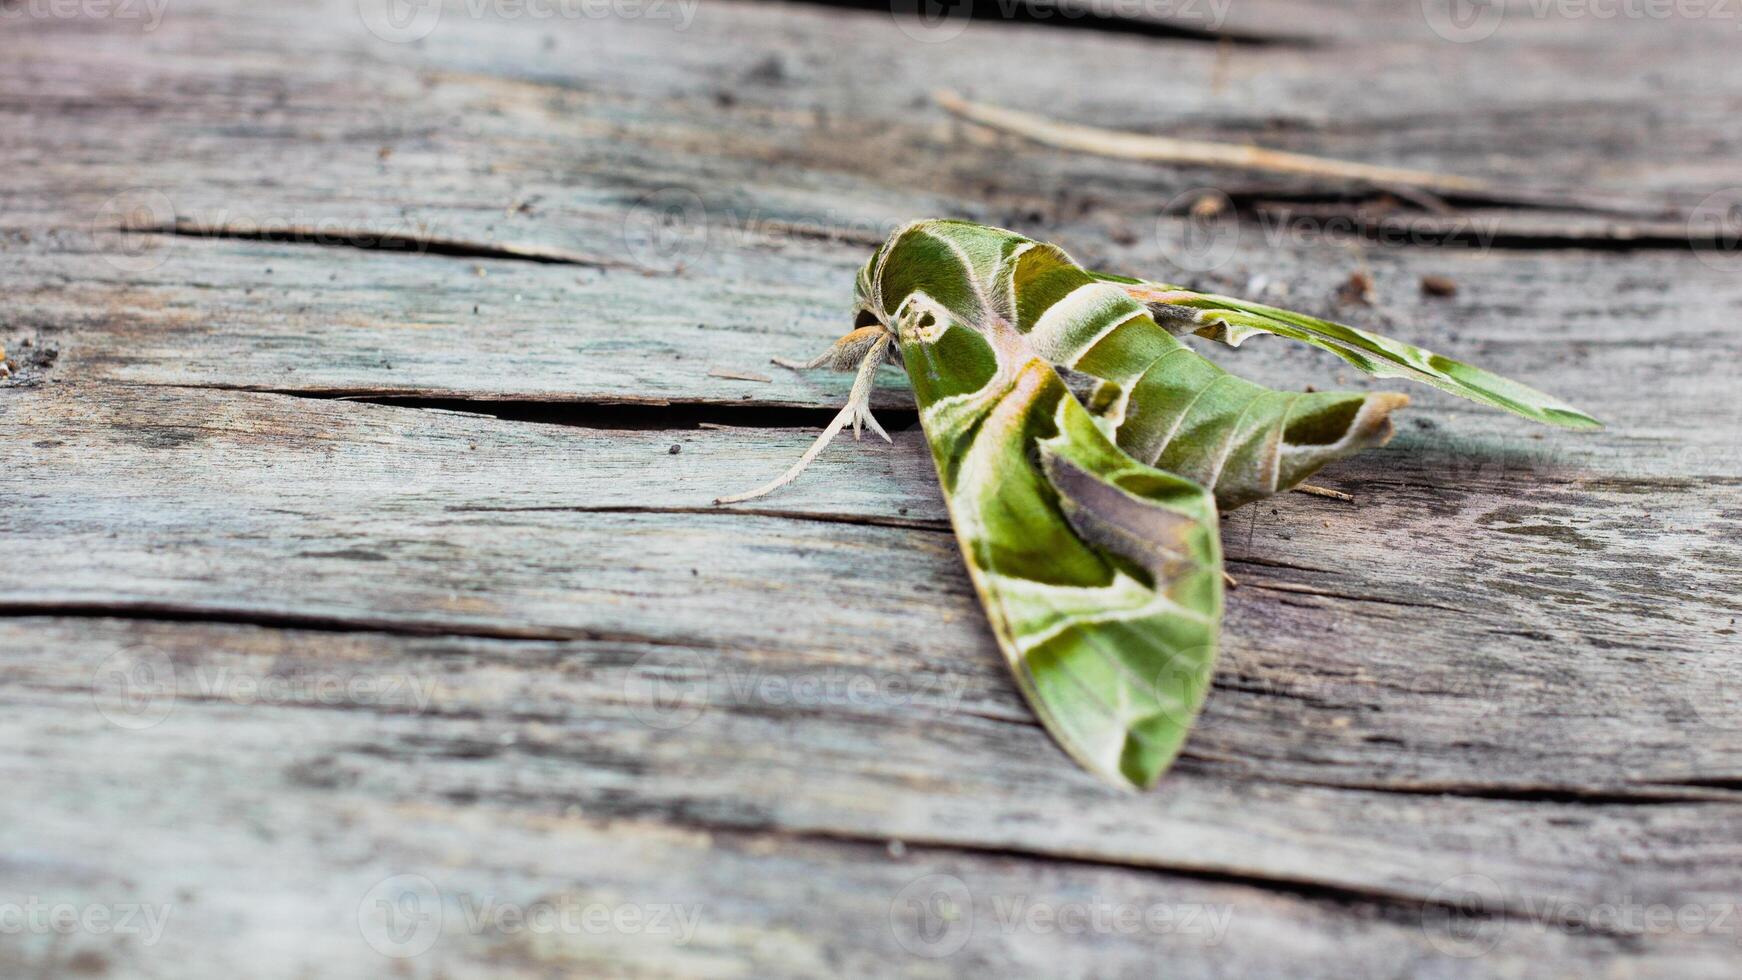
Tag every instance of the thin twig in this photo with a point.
(1324, 492)
(1166, 149)
(731, 375)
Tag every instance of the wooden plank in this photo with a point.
(322, 324)
(268, 509)
(541, 162)
(789, 105)
(327, 789)
(1510, 658)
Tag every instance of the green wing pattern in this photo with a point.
(1101, 576)
(1231, 321)
(1162, 403)
(1090, 530)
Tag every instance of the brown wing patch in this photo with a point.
(1151, 536)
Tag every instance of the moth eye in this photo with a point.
(866, 318)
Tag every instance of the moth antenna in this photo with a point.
(857, 410)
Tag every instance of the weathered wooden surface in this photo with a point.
(264, 646)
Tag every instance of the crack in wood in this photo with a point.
(613, 413)
(1627, 794)
(1349, 596)
(163, 612)
(386, 241)
(1393, 905)
(1071, 15)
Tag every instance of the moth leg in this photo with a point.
(857, 411)
(844, 354)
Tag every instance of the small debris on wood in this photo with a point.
(1358, 288)
(1324, 492)
(675, 449)
(731, 375)
(770, 70)
(1209, 206)
(1441, 286)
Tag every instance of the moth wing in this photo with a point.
(1101, 576)
(1166, 405)
(1231, 321)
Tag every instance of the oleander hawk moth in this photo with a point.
(1089, 525)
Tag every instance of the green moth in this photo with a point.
(1089, 525)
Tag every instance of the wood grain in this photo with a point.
(355, 505)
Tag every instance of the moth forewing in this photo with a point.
(1231, 321)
